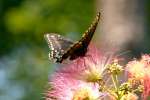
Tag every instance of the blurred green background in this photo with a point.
(24, 64)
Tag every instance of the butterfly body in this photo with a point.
(78, 50)
(62, 48)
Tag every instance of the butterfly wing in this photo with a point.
(88, 34)
(62, 48)
(79, 48)
(58, 45)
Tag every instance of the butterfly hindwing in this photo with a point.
(58, 45)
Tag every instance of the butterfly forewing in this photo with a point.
(58, 45)
(79, 48)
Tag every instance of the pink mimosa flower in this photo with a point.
(140, 69)
(64, 87)
(90, 68)
(77, 80)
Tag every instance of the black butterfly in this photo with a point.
(62, 48)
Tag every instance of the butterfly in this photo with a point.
(62, 48)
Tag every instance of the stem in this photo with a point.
(115, 82)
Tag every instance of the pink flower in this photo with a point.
(78, 80)
(90, 68)
(67, 88)
(140, 69)
(146, 83)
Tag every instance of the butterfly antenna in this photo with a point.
(89, 33)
